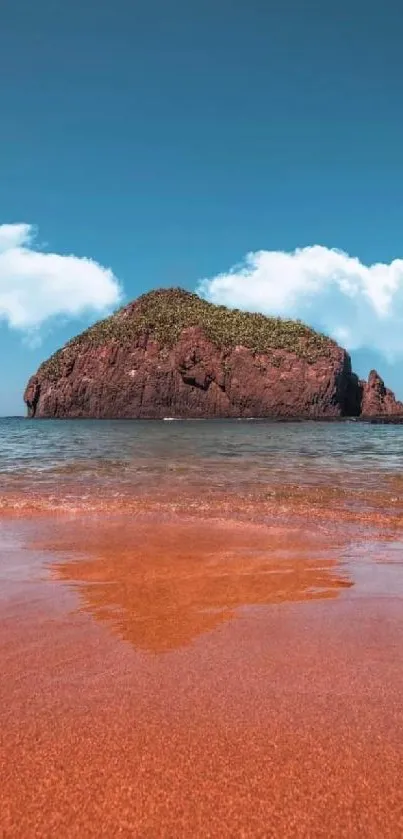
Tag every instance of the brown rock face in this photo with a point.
(151, 361)
(378, 400)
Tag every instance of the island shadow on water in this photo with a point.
(160, 585)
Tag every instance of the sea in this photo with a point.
(205, 466)
(201, 628)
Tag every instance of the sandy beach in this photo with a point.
(176, 677)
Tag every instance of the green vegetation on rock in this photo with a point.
(164, 314)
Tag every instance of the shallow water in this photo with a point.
(208, 466)
(53, 444)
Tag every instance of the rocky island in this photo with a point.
(172, 354)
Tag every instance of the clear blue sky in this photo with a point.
(168, 139)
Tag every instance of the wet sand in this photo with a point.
(170, 677)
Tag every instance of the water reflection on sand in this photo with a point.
(160, 585)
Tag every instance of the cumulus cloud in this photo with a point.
(36, 285)
(359, 305)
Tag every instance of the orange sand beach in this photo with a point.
(173, 676)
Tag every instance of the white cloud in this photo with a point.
(36, 286)
(358, 305)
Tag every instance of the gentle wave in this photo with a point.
(250, 470)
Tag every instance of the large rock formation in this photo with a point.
(172, 354)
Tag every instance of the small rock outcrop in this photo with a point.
(378, 400)
(172, 354)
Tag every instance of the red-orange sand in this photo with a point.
(197, 679)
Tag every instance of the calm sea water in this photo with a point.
(90, 461)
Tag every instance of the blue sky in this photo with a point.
(166, 141)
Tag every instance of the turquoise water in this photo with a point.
(86, 460)
(42, 445)
(48, 444)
